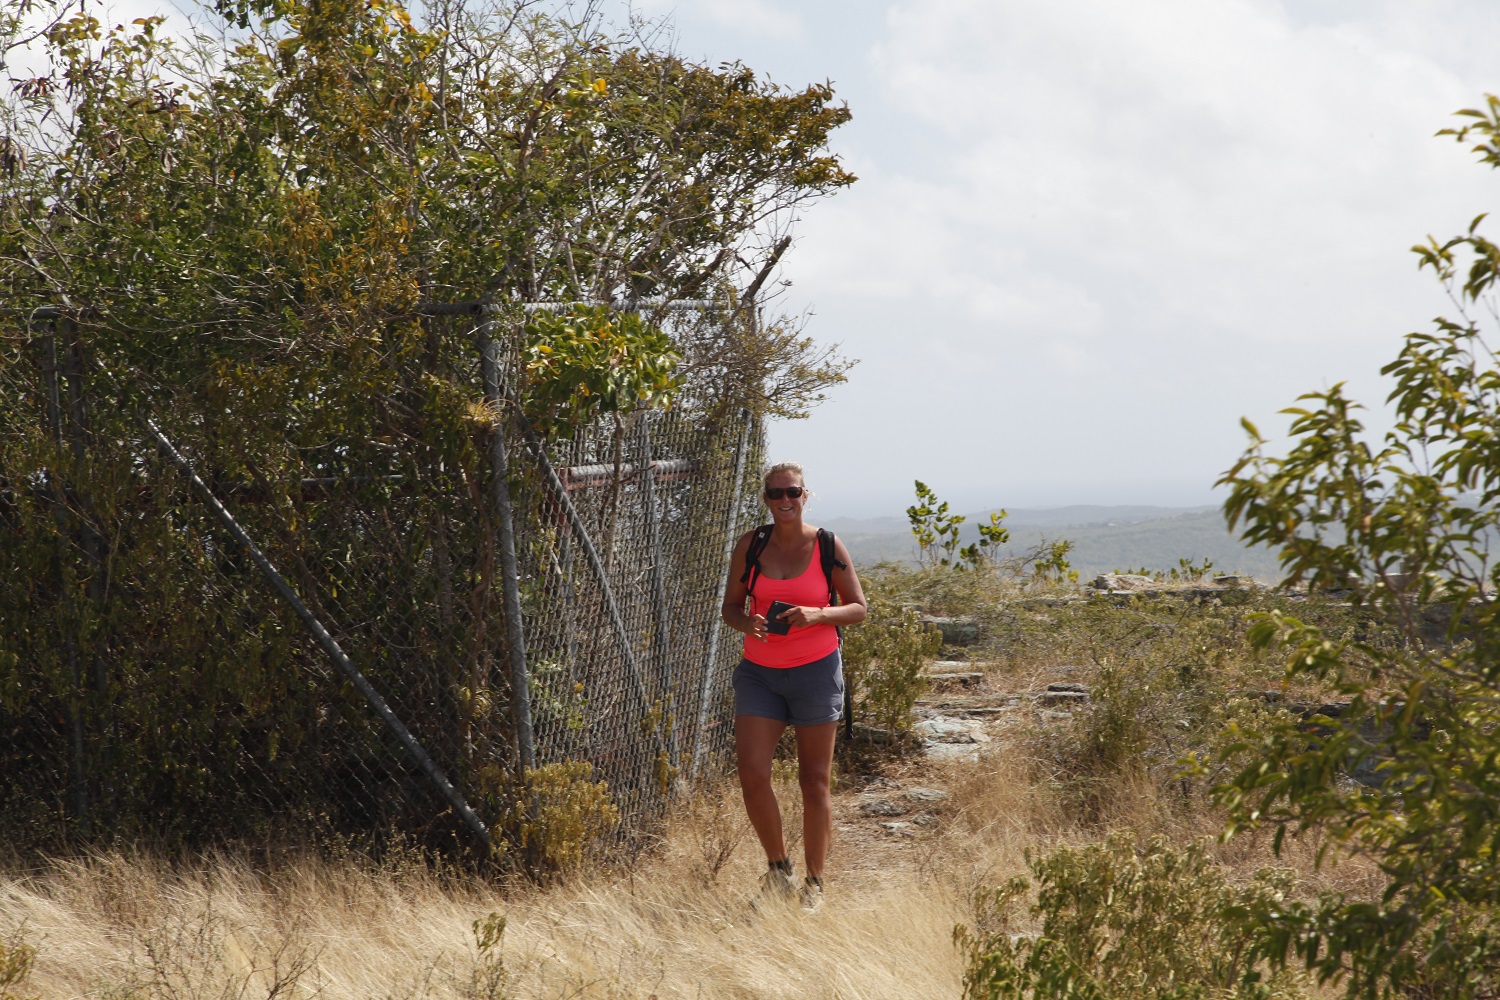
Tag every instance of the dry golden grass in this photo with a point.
(677, 925)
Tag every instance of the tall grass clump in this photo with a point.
(16, 958)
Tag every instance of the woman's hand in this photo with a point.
(800, 617)
(757, 629)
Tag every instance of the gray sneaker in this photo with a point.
(778, 883)
(811, 894)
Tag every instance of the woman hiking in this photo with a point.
(791, 673)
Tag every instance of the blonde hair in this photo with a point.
(793, 467)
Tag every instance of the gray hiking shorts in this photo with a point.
(808, 695)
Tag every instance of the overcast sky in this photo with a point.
(1089, 236)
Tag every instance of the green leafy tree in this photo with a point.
(591, 362)
(934, 528)
(238, 228)
(937, 531)
(991, 537)
(1404, 524)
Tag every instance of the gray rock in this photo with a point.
(1062, 699)
(944, 730)
(1122, 581)
(956, 631)
(947, 680)
(881, 807)
(1068, 686)
(926, 794)
(987, 710)
(880, 781)
(924, 819)
(898, 828)
(954, 751)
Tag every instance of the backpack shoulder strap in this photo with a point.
(828, 558)
(758, 542)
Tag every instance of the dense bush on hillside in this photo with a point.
(237, 235)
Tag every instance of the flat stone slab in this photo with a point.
(1061, 699)
(949, 679)
(967, 753)
(1116, 582)
(956, 631)
(882, 807)
(926, 794)
(946, 730)
(984, 710)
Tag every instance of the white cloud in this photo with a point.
(755, 17)
(1169, 211)
(1215, 150)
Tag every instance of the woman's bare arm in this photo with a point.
(733, 611)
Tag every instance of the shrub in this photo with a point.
(885, 662)
(1120, 922)
(1165, 678)
(16, 958)
(559, 814)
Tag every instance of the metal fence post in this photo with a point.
(510, 576)
(715, 627)
(660, 644)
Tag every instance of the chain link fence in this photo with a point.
(269, 608)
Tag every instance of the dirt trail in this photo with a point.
(883, 822)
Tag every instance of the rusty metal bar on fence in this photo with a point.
(580, 476)
(325, 640)
(510, 575)
(715, 625)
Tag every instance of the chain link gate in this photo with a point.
(164, 688)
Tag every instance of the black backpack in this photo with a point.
(827, 560)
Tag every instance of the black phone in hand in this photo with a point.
(773, 613)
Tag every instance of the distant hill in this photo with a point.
(1104, 538)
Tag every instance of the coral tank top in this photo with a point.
(800, 645)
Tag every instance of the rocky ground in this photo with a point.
(881, 820)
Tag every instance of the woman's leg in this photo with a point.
(814, 767)
(755, 741)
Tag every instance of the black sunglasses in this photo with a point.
(790, 492)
